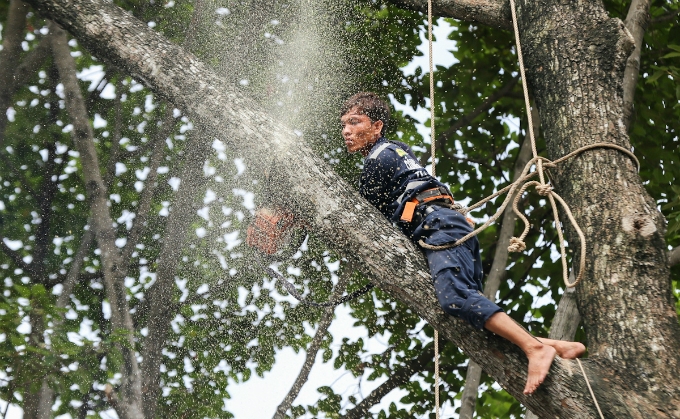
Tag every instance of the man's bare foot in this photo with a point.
(540, 360)
(565, 349)
(540, 355)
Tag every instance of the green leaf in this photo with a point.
(656, 76)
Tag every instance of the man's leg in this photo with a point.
(457, 287)
(540, 355)
(457, 274)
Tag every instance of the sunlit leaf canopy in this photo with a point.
(299, 61)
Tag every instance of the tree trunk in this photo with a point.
(112, 263)
(575, 69)
(182, 214)
(636, 308)
(37, 401)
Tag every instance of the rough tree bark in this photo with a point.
(625, 298)
(112, 263)
(575, 70)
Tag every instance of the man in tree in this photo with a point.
(395, 183)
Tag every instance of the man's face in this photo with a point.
(359, 132)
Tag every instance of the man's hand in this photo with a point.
(270, 230)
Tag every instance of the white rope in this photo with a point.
(433, 146)
(546, 190)
(517, 244)
(590, 389)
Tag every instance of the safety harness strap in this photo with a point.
(375, 153)
(429, 195)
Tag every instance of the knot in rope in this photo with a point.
(516, 245)
(544, 189)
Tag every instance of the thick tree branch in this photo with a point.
(36, 404)
(674, 256)
(636, 23)
(494, 13)
(102, 223)
(313, 349)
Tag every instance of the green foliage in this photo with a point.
(228, 319)
(496, 403)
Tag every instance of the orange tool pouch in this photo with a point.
(270, 229)
(423, 197)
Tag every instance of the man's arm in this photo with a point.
(376, 179)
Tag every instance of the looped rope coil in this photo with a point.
(520, 185)
(542, 188)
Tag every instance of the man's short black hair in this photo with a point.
(369, 104)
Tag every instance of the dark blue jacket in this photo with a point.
(391, 177)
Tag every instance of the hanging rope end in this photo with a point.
(516, 245)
